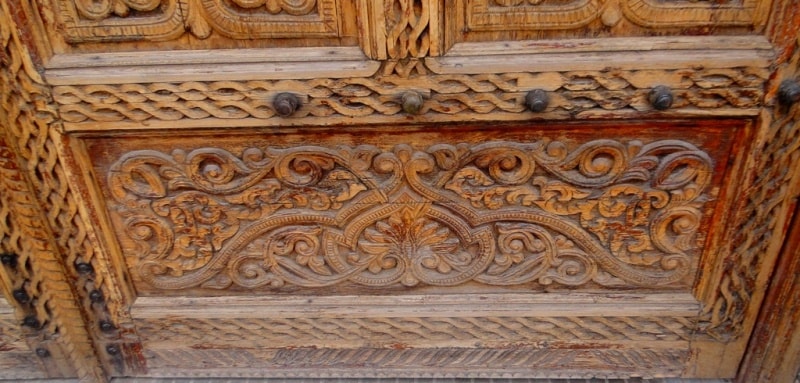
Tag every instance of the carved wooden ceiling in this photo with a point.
(421, 188)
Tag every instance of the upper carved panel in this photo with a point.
(205, 23)
(597, 212)
(492, 20)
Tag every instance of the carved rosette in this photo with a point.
(607, 212)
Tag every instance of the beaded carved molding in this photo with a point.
(606, 212)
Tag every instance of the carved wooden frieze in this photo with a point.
(577, 94)
(595, 212)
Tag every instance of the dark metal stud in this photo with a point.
(285, 104)
(9, 259)
(42, 352)
(112, 349)
(96, 296)
(106, 326)
(412, 102)
(31, 321)
(84, 268)
(789, 92)
(21, 296)
(660, 97)
(537, 100)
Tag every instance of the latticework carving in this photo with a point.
(498, 213)
(378, 332)
(47, 233)
(376, 98)
(407, 23)
(758, 232)
(441, 362)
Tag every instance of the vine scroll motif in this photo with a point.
(498, 213)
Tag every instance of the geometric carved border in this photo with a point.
(377, 99)
(442, 362)
(409, 331)
(752, 247)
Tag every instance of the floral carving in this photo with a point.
(621, 194)
(498, 213)
(101, 9)
(406, 237)
(292, 7)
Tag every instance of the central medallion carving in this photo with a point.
(500, 213)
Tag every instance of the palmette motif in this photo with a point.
(498, 213)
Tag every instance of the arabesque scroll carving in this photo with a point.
(498, 213)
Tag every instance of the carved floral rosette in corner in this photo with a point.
(606, 213)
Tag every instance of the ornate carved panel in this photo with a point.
(492, 20)
(186, 24)
(487, 213)
(87, 20)
(157, 210)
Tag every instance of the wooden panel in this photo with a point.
(494, 20)
(509, 243)
(92, 26)
(364, 211)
